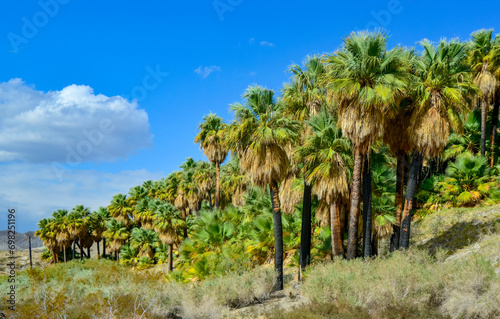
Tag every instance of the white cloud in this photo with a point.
(252, 73)
(266, 44)
(69, 126)
(207, 70)
(251, 41)
(35, 191)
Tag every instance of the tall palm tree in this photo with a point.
(117, 235)
(60, 227)
(47, 234)
(184, 186)
(167, 222)
(260, 136)
(169, 191)
(211, 137)
(97, 221)
(495, 54)
(396, 136)
(77, 227)
(234, 182)
(204, 180)
(482, 61)
(144, 212)
(305, 96)
(364, 80)
(327, 161)
(443, 93)
(120, 209)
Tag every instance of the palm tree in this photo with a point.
(396, 136)
(384, 185)
(61, 230)
(120, 209)
(260, 136)
(442, 94)
(204, 180)
(483, 63)
(47, 234)
(364, 80)
(233, 182)
(77, 227)
(184, 186)
(495, 55)
(327, 161)
(167, 222)
(212, 140)
(144, 211)
(169, 190)
(467, 181)
(144, 241)
(117, 234)
(128, 255)
(97, 221)
(304, 96)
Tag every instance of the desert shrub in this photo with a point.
(472, 290)
(409, 281)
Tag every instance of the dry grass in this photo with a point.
(460, 278)
(411, 282)
(104, 289)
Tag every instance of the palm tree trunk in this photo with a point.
(116, 255)
(104, 247)
(88, 252)
(54, 256)
(210, 200)
(185, 225)
(375, 243)
(494, 123)
(217, 186)
(483, 126)
(337, 248)
(98, 252)
(74, 247)
(410, 194)
(352, 238)
(400, 183)
(170, 256)
(278, 236)
(81, 248)
(64, 248)
(305, 232)
(367, 208)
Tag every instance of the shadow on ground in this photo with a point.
(458, 236)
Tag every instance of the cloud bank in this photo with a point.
(69, 126)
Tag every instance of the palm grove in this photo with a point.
(357, 144)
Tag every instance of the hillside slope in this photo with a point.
(21, 240)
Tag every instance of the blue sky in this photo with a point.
(72, 66)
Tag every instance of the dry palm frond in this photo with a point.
(363, 126)
(265, 163)
(430, 132)
(238, 198)
(290, 194)
(323, 213)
